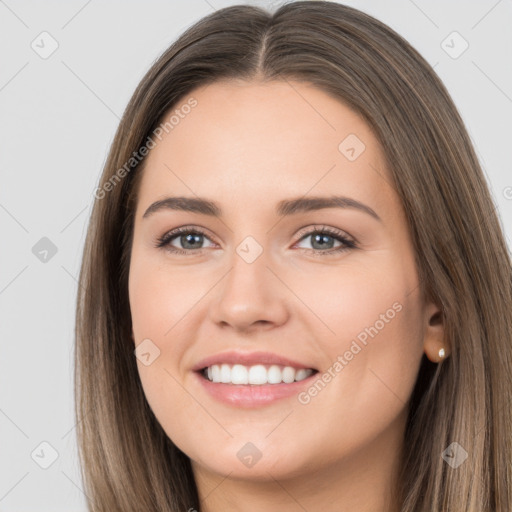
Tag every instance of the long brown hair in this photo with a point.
(128, 463)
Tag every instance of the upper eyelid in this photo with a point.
(323, 228)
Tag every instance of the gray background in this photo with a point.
(58, 117)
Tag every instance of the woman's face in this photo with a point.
(252, 288)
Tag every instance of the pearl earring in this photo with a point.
(441, 353)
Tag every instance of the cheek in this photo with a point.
(151, 306)
(371, 331)
(159, 298)
(372, 359)
(360, 299)
(156, 305)
(162, 302)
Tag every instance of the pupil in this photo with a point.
(189, 238)
(321, 239)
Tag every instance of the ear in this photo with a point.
(434, 341)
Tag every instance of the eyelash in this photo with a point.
(165, 240)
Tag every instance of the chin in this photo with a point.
(252, 461)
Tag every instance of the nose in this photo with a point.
(250, 296)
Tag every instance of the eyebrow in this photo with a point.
(284, 208)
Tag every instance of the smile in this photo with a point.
(256, 375)
(252, 379)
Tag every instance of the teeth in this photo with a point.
(216, 373)
(288, 374)
(256, 375)
(225, 374)
(239, 375)
(275, 375)
(302, 374)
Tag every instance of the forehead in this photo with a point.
(255, 141)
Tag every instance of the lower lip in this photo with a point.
(246, 395)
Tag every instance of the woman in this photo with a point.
(249, 370)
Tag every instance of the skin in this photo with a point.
(248, 146)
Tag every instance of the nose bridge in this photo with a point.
(250, 292)
(248, 280)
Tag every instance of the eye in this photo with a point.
(189, 238)
(323, 238)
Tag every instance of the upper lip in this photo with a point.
(248, 359)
